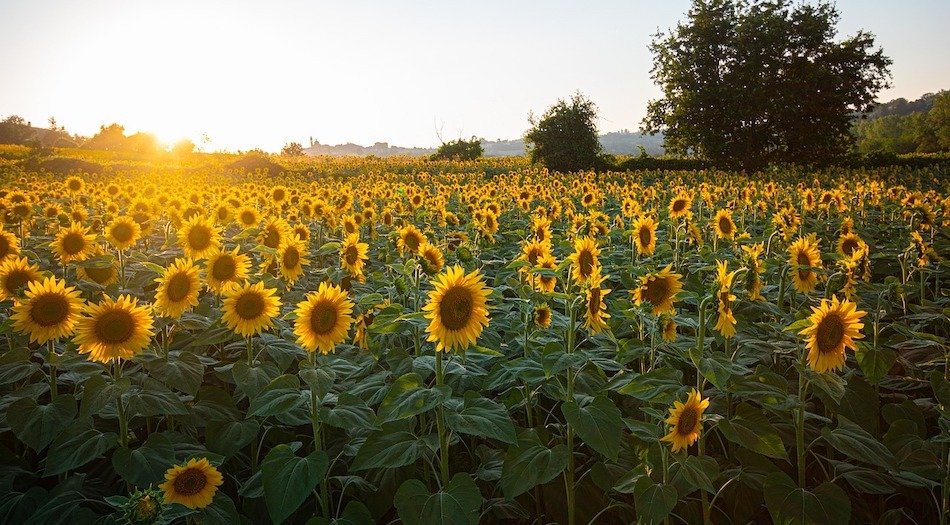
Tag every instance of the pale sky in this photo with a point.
(261, 74)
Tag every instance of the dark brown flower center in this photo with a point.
(725, 225)
(686, 423)
(351, 255)
(272, 238)
(100, 275)
(114, 327)
(199, 238)
(122, 232)
(249, 305)
(849, 246)
(190, 482)
(323, 317)
(645, 236)
(830, 333)
(179, 286)
(49, 309)
(224, 268)
(412, 240)
(16, 280)
(593, 304)
(248, 218)
(585, 261)
(656, 291)
(455, 308)
(74, 243)
(291, 257)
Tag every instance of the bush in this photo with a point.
(565, 139)
(459, 150)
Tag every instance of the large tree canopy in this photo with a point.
(565, 138)
(748, 83)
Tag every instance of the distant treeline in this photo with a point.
(899, 126)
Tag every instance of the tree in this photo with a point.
(565, 138)
(183, 147)
(459, 150)
(292, 149)
(14, 130)
(109, 138)
(748, 83)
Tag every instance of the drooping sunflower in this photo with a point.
(192, 484)
(49, 312)
(353, 256)
(114, 329)
(323, 318)
(199, 237)
(103, 275)
(669, 329)
(73, 244)
(659, 289)
(834, 326)
(596, 314)
(584, 261)
(542, 316)
(249, 309)
(225, 268)
(546, 283)
(9, 245)
(292, 254)
(15, 274)
(531, 252)
(753, 279)
(274, 232)
(409, 240)
(726, 322)
(803, 255)
(431, 258)
(123, 232)
(849, 243)
(686, 420)
(723, 225)
(177, 289)
(644, 235)
(457, 309)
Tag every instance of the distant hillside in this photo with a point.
(899, 126)
(901, 107)
(622, 142)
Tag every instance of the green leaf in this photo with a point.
(658, 385)
(182, 371)
(700, 472)
(856, 443)
(654, 501)
(221, 511)
(152, 398)
(874, 362)
(37, 425)
(77, 445)
(457, 504)
(790, 505)
(479, 416)
(718, 369)
(98, 394)
(228, 437)
(282, 395)
(320, 380)
(349, 413)
(355, 513)
(252, 379)
(147, 464)
(407, 398)
(16, 365)
(751, 429)
(599, 424)
(388, 449)
(289, 479)
(530, 463)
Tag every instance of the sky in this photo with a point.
(234, 75)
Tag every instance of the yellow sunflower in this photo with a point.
(596, 312)
(249, 309)
(804, 255)
(680, 206)
(584, 261)
(753, 276)
(659, 289)
(723, 225)
(644, 235)
(247, 217)
(9, 245)
(849, 243)
(273, 232)
(101, 275)
(353, 256)
(73, 244)
(431, 258)
(726, 323)
(49, 312)
(323, 318)
(669, 329)
(834, 327)
(409, 240)
(15, 274)
(123, 232)
(114, 329)
(542, 316)
(292, 255)
(546, 283)
(457, 309)
(177, 289)
(192, 484)
(225, 268)
(199, 237)
(686, 420)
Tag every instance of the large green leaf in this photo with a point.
(221, 511)
(282, 395)
(182, 371)
(37, 425)
(289, 479)
(856, 443)
(700, 472)
(480, 417)
(228, 437)
(349, 413)
(875, 362)
(456, 504)
(147, 464)
(388, 448)
(790, 505)
(77, 445)
(530, 463)
(152, 398)
(751, 429)
(654, 501)
(407, 397)
(598, 423)
(15, 365)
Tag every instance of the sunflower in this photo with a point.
(541, 228)
(723, 225)
(431, 258)
(199, 237)
(225, 268)
(123, 232)
(273, 233)
(114, 329)
(101, 275)
(353, 256)
(804, 255)
(644, 235)
(848, 243)
(680, 206)
(192, 484)
(15, 274)
(753, 283)
(834, 327)
(323, 318)
(74, 184)
(669, 329)
(532, 251)
(457, 309)
(177, 289)
(659, 289)
(726, 323)
(542, 316)
(546, 283)
(9, 245)
(686, 420)
(249, 309)
(596, 312)
(49, 312)
(247, 217)
(584, 260)
(409, 240)
(293, 257)
(73, 244)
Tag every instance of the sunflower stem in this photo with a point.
(53, 387)
(800, 424)
(123, 422)
(569, 474)
(440, 422)
(318, 436)
(250, 352)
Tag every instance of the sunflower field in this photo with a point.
(367, 341)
